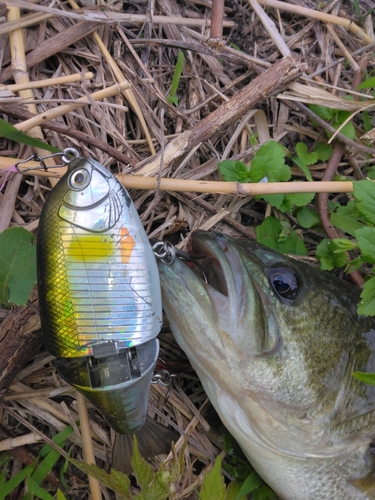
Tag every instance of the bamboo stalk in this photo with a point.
(234, 188)
(66, 108)
(216, 187)
(321, 16)
(47, 82)
(87, 446)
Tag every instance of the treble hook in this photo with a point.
(167, 253)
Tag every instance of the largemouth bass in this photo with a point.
(274, 343)
(99, 293)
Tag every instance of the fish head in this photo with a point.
(89, 196)
(274, 343)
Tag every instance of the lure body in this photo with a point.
(99, 293)
(98, 280)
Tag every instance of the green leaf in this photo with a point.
(17, 266)
(234, 171)
(264, 492)
(353, 265)
(371, 173)
(51, 455)
(367, 84)
(45, 467)
(302, 165)
(306, 157)
(366, 243)
(60, 495)
(269, 161)
(59, 439)
(307, 217)
(324, 151)
(348, 129)
(366, 121)
(213, 486)
(232, 491)
(366, 306)
(364, 193)
(172, 98)
(10, 132)
(367, 378)
(326, 114)
(276, 200)
(300, 199)
(339, 245)
(142, 469)
(327, 258)
(346, 223)
(36, 490)
(9, 486)
(116, 481)
(4, 460)
(252, 483)
(158, 489)
(280, 237)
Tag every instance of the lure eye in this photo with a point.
(285, 282)
(79, 179)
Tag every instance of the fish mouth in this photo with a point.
(237, 276)
(226, 286)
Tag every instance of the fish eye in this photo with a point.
(79, 179)
(284, 281)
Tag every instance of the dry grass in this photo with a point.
(101, 72)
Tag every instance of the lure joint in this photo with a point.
(164, 378)
(65, 156)
(165, 252)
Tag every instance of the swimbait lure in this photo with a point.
(99, 292)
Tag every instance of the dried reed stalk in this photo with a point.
(21, 76)
(61, 80)
(87, 446)
(66, 108)
(321, 16)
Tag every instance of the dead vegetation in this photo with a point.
(97, 75)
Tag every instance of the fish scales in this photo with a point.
(274, 343)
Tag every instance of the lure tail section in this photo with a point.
(117, 385)
(153, 439)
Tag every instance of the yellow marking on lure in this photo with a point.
(127, 245)
(91, 247)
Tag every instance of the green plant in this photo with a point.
(172, 98)
(34, 474)
(268, 165)
(12, 133)
(336, 118)
(357, 219)
(17, 266)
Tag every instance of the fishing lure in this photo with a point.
(99, 292)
